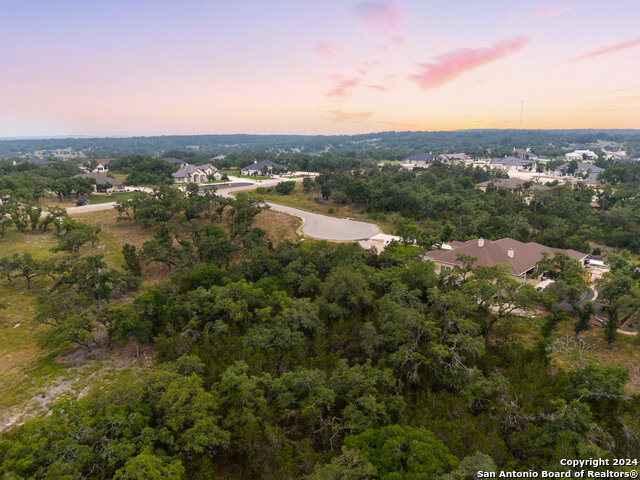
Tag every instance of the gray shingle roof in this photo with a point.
(100, 179)
(262, 165)
(511, 161)
(175, 161)
(185, 171)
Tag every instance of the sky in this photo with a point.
(159, 67)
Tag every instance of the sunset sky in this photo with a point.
(151, 67)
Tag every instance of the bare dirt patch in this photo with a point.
(280, 227)
(86, 369)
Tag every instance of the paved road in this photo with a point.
(329, 228)
(91, 208)
(314, 224)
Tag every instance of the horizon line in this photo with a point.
(94, 137)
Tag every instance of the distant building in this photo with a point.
(582, 168)
(102, 165)
(519, 256)
(581, 155)
(524, 154)
(101, 181)
(512, 163)
(515, 184)
(219, 157)
(175, 161)
(454, 157)
(419, 158)
(196, 174)
(256, 168)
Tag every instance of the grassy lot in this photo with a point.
(29, 374)
(279, 226)
(307, 201)
(623, 352)
(93, 199)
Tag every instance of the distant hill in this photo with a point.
(398, 142)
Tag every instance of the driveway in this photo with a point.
(329, 228)
(91, 208)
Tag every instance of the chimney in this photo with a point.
(510, 253)
(481, 242)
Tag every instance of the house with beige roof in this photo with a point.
(520, 257)
(514, 184)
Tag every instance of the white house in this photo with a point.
(378, 242)
(102, 165)
(581, 155)
(196, 174)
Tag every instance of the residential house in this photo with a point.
(512, 164)
(175, 161)
(524, 154)
(581, 155)
(582, 168)
(196, 174)
(514, 184)
(520, 257)
(102, 165)
(257, 168)
(378, 242)
(419, 158)
(454, 157)
(102, 181)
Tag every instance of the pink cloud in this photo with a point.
(340, 116)
(326, 50)
(379, 17)
(546, 11)
(380, 88)
(398, 41)
(618, 47)
(453, 64)
(342, 87)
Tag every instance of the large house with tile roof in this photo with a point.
(520, 257)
